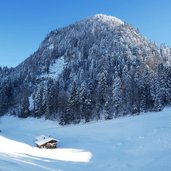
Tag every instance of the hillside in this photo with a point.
(140, 143)
(96, 68)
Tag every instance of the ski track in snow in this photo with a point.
(140, 143)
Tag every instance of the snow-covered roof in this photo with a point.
(43, 139)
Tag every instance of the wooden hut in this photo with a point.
(48, 142)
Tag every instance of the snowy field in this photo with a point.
(140, 143)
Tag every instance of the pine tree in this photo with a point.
(145, 94)
(155, 93)
(3, 102)
(73, 108)
(24, 104)
(108, 109)
(38, 99)
(102, 87)
(24, 107)
(117, 95)
(168, 85)
(82, 99)
(126, 88)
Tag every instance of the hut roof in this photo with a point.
(42, 139)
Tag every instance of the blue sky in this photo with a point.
(25, 23)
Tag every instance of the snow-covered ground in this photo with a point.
(140, 143)
(55, 69)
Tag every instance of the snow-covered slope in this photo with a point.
(55, 69)
(140, 143)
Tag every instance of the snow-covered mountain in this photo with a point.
(96, 68)
(140, 143)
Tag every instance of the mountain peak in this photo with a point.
(107, 19)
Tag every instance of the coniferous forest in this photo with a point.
(97, 68)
